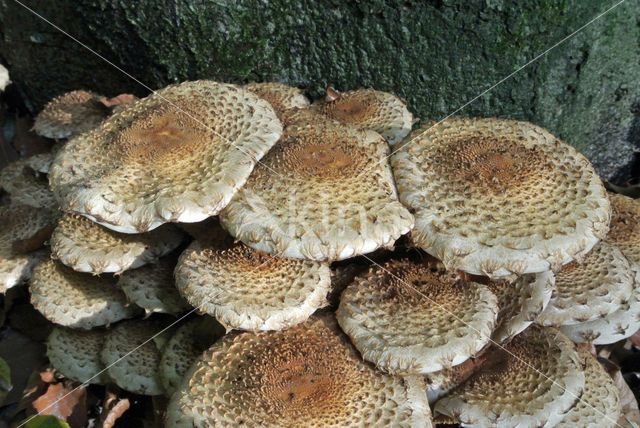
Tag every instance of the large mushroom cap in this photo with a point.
(308, 375)
(75, 299)
(177, 155)
(496, 197)
(405, 318)
(26, 183)
(324, 192)
(280, 96)
(368, 108)
(86, 246)
(625, 226)
(533, 381)
(76, 354)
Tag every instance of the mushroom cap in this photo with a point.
(533, 381)
(599, 405)
(132, 357)
(613, 327)
(248, 289)
(86, 246)
(26, 184)
(280, 96)
(20, 222)
(177, 155)
(308, 375)
(624, 232)
(152, 287)
(75, 299)
(497, 197)
(405, 318)
(76, 354)
(368, 108)
(70, 114)
(592, 289)
(324, 192)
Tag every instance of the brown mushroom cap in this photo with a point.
(177, 155)
(308, 375)
(86, 246)
(76, 354)
(324, 192)
(280, 96)
(26, 183)
(625, 226)
(70, 114)
(498, 197)
(407, 319)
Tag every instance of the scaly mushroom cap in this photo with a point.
(612, 327)
(625, 226)
(75, 299)
(407, 319)
(534, 381)
(367, 108)
(498, 197)
(324, 192)
(308, 375)
(25, 183)
(20, 222)
(177, 155)
(132, 357)
(86, 246)
(599, 405)
(70, 114)
(280, 96)
(248, 289)
(76, 354)
(152, 287)
(520, 302)
(592, 289)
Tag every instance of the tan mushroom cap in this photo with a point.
(76, 354)
(75, 299)
(613, 327)
(324, 192)
(599, 405)
(280, 96)
(86, 246)
(368, 108)
(26, 184)
(625, 226)
(70, 114)
(308, 375)
(498, 197)
(248, 289)
(132, 357)
(152, 287)
(20, 222)
(177, 155)
(405, 318)
(592, 289)
(534, 381)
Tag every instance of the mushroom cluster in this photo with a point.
(349, 271)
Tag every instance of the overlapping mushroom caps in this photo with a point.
(324, 192)
(498, 197)
(308, 375)
(76, 354)
(280, 96)
(177, 155)
(26, 183)
(625, 226)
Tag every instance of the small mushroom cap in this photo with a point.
(132, 357)
(20, 222)
(76, 354)
(625, 226)
(407, 319)
(177, 155)
(612, 327)
(324, 192)
(280, 96)
(152, 287)
(534, 381)
(367, 108)
(86, 246)
(498, 197)
(26, 184)
(75, 299)
(592, 289)
(599, 405)
(248, 289)
(70, 114)
(308, 375)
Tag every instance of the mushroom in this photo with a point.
(499, 197)
(625, 226)
(176, 155)
(25, 182)
(280, 96)
(76, 354)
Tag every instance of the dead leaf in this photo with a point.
(113, 409)
(32, 243)
(65, 403)
(118, 100)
